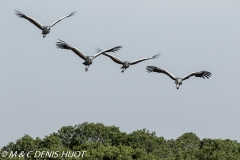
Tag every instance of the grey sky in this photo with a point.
(44, 88)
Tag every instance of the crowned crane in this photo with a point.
(126, 64)
(45, 29)
(178, 81)
(88, 59)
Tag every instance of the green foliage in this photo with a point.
(109, 143)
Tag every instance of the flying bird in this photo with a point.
(126, 64)
(178, 81)
(88, 59)
(45, 29)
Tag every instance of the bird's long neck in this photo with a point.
(178, 82)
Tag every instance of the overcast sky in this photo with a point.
(44, 88)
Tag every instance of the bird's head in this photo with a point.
(178, 82)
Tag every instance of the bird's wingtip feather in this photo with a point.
(97, 49)
(156, 56)
(18, 13)
(150, 68)
(72, 14)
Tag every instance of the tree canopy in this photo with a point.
(108, 143)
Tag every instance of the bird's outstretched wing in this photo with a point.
(99, 51)
(159, 70)
(115, 59)
(201, 74)
(144, 59)
(35, 22)
(63, 18)
(64, 45)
